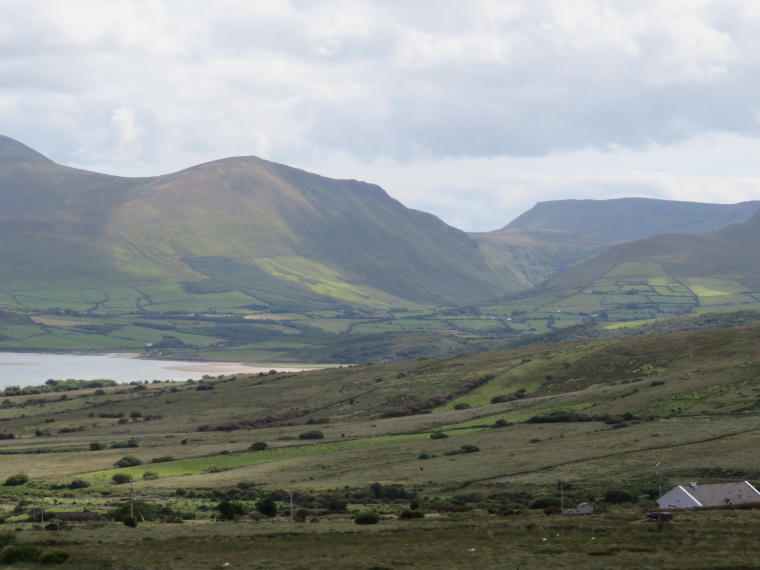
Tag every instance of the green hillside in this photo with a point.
(666, 275)
(277, 237)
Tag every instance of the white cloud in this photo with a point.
(483, 91)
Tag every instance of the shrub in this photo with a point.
(121, 478)
(267, 507)
(17, 479)
(502, 398)
(500, 423)
(408, 515)
(313, 434)
(7, 538)
(128, 461)
(150, 475)
(78, 484)
(20, 553)
(162, 459)
(95, 446)
(230, 511)
(259, 446)
(366, 517)
(142, 510)
(617, 496)
(552, 510)
(130, 521)
(54, 557)
(438, 435)
(543, 502)
(469, 449)
(462, 406)
(423, 456)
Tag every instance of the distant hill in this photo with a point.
(670, 274)
(234, 232)
(628, 219)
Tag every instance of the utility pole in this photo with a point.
(291, 507)
(659, 479)
(562, 494)
(132, 499)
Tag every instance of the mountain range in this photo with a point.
(248, 233)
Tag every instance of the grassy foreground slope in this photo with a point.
(688, 400)
(597, 416)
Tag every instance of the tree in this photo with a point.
(230, 511)
(267, 507)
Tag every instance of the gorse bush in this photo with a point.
(54, 556)
(128, 461)
(19, 553)
(366, 517)
(121, 478)
(17, 479)
(313, 434)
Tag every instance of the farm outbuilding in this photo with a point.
(714, 495)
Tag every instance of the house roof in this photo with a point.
(723, 493)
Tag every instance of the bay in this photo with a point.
(32, 369)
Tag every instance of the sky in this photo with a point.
(472, 110)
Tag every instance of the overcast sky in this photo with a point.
(473, 110)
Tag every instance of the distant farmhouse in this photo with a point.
(709, 495)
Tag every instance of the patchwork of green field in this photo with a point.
(624, 299)
(734, 299)
(43, 304)
(673, 299)
(476, 324)
(145, 335)
(704, 286)
(663, 290)
(727, 308)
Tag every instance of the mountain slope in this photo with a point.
(654, 277)
(537, 254)
(627, 219)
(279, 236)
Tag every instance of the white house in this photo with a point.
(714, 495)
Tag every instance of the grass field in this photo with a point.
(687, 401)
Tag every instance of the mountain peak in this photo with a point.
(12, 149)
